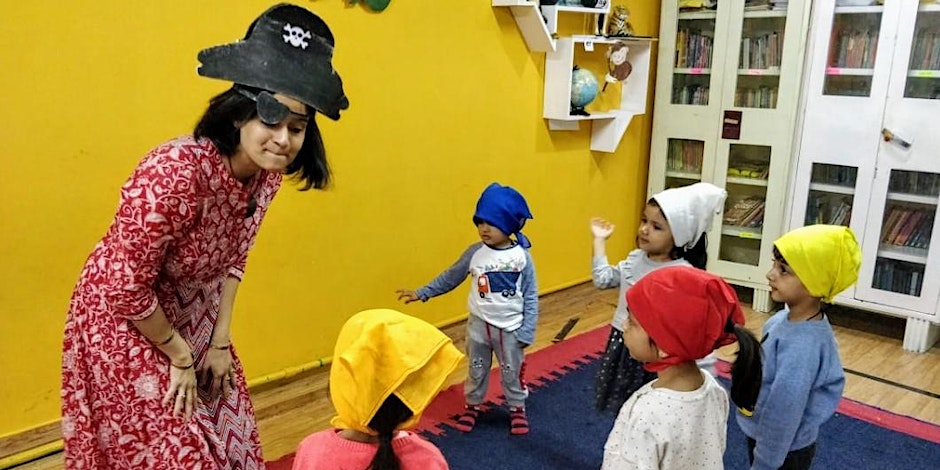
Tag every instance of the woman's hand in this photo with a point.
(216, 373)
(182, 391)
(408, 296)
(601, 228)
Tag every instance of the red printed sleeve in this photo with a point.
(157, 205)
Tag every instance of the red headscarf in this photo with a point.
(687, 312)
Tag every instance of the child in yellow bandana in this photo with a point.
(802, 379)
(387, 367)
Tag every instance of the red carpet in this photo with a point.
(555, 361)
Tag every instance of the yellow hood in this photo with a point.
(826, 258)
(380, 352)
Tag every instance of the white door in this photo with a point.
(903, 268)
(845, 91)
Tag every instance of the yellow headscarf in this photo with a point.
(826, 258)
(380, 352)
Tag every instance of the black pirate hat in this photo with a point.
(287, 50)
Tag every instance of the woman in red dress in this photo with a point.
(150, 378)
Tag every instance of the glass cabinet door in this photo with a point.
(684, 162)
(759, 55)
(742, 226)
(906, 231)
(692, 71)
(853, 48)
(831, 194)
(923, 75)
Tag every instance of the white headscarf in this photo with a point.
(690, 209)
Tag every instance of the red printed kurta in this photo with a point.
(179, 231)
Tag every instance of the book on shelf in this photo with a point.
(746, 212)
(855, 49)
(834, 174)
(914, 182)
(907, 227)
(685, 155)
(760, 52)
(898, 276)
(754, 169)
(760, 97)
(926, 51)
(693, 48)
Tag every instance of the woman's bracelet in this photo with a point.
(221, 348)
(190, 366)
(168, 339)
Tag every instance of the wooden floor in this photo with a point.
(870, 344)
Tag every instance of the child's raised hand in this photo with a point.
(601, 228)
(408, 296)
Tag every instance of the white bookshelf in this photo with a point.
(892, 190)
(702, 74)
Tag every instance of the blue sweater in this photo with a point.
(802, 385)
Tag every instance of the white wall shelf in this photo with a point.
(539, 23)
(607, 127)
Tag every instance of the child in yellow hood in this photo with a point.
(387, 367)
(802, 377)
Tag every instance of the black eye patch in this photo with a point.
(270, 110)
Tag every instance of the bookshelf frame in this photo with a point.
(897, 226)
(741, 254)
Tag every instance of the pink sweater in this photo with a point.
(327, 450)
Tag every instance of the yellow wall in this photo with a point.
(443, 101)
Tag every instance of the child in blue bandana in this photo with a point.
(503, 302)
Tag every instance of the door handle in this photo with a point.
(891, 137)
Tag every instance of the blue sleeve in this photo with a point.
(450, 278)
(797, 364)
(530, 302)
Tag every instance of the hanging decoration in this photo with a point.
(374, 5)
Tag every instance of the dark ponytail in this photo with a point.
(389, 416)
(696, 256)
(746, 372)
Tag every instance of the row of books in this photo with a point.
(828, 209)
(685, 155)
(758, 97)
(834, 174)
(906, 226)
(898, 276)
(854, 49)
(926, 53)
(758, 5)
(760, 52)
(694, 48)
(746, 212)
(740, 167)
(914, 182)
(691, 94)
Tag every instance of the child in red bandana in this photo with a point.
(679, 421)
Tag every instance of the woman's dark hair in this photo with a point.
(747, 370)
(389, 416)
(218, 124)
(697, 256)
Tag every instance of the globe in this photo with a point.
(583, 89)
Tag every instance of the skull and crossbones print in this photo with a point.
(295, 36)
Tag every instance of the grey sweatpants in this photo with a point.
(483, 340)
